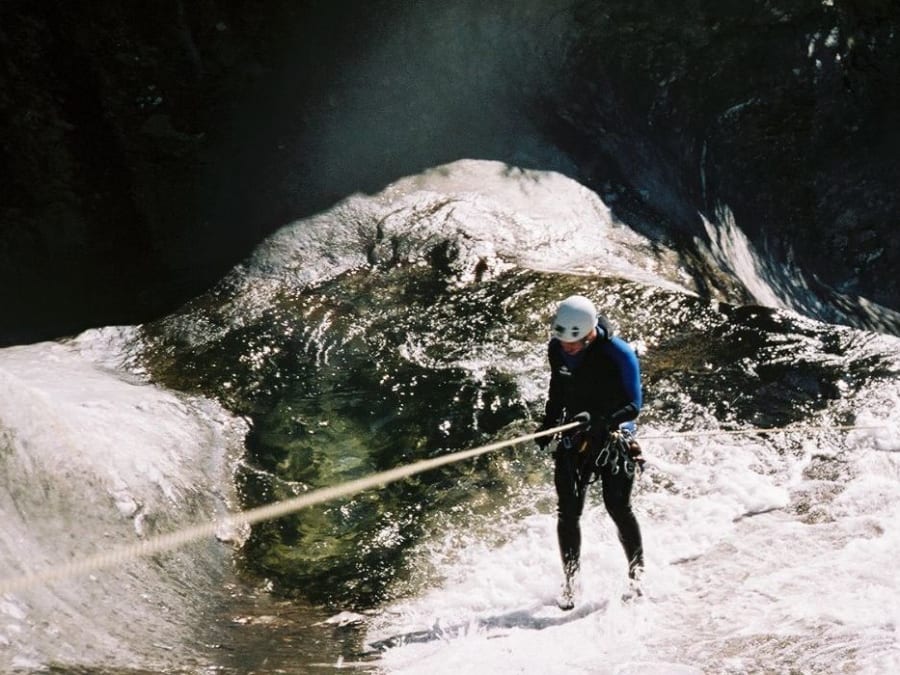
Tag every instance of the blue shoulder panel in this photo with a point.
(629, 369)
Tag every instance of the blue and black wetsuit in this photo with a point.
(604, 380)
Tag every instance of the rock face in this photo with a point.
(147, 150)
(777, 110)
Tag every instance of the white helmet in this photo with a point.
(575, 318)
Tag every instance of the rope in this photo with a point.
(771, 430)
(173, 540)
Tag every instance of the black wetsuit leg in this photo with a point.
(571, 489)
(617, 499)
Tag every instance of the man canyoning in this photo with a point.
(594, 379)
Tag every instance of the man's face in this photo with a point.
(573, 348)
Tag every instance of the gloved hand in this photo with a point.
(610, 426)
(584, 418)
(634, 451)
(599, 430)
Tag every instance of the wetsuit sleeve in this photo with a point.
(553, 408)
(629, 380)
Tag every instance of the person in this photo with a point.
(595, 379)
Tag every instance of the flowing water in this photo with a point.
(409, 324)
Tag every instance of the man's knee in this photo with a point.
(619, 510)
(569, 511)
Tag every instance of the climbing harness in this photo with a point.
(621, 452)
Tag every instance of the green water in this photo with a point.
(359, 375)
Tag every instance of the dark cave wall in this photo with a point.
(147, 149)
(126, 141)
(778, 110)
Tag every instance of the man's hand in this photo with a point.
(584, 419)
(634, 451)
(609, 425)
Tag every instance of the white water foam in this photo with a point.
(764, 555)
